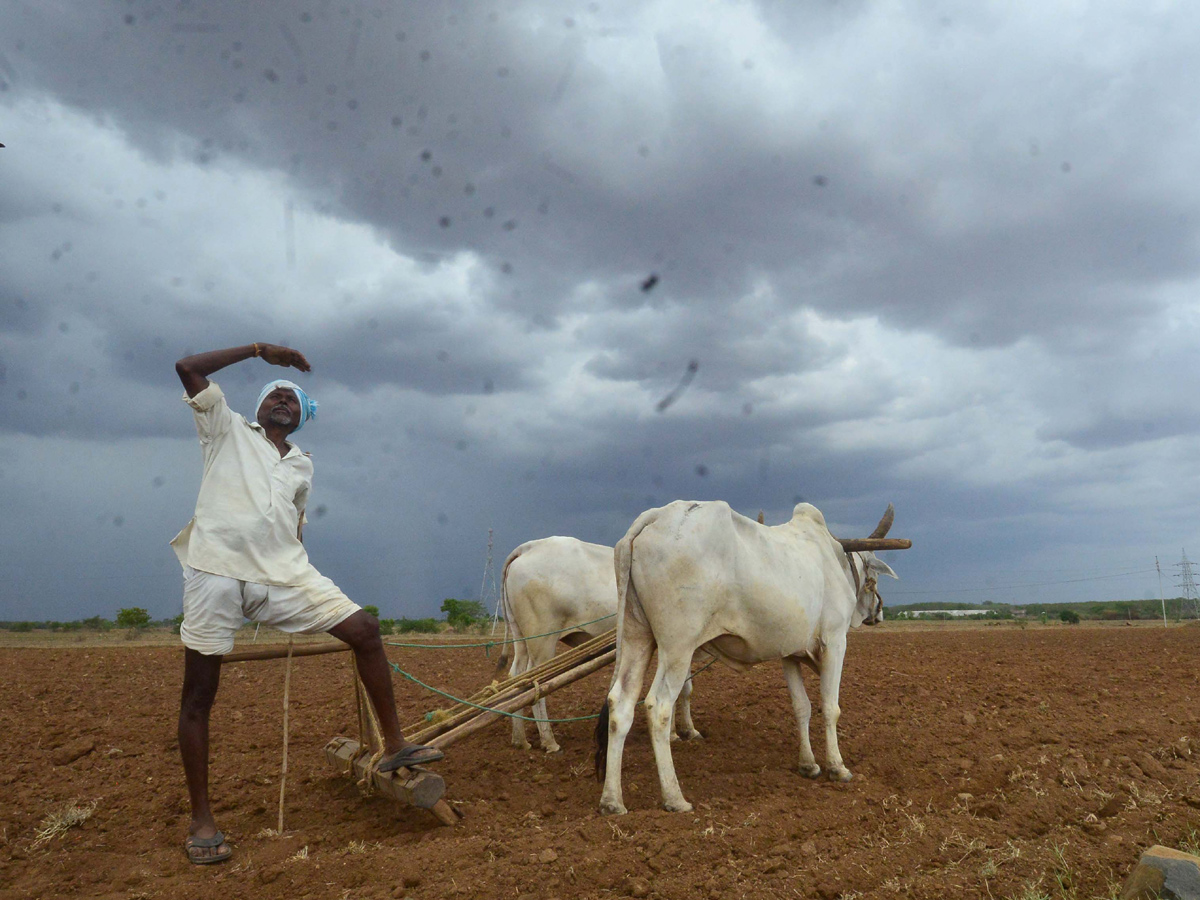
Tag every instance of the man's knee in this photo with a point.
(360, 629)
(197, 699)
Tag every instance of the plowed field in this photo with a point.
(986, 760)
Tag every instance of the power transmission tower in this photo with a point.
(488, 595)
(1190, 601)
(1161, 597)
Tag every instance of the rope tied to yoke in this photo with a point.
(488, 645)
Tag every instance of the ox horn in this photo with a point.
(885, 523)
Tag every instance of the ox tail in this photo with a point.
(602, 742)
(506, 651)
(623, 561)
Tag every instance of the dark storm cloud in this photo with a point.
(922, 256)
(447, 129)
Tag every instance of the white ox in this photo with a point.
(555, 589)
(699, 576)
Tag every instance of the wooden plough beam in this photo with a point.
(514, 693)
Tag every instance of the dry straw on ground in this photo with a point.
(62, 820)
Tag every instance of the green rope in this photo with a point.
(702, 668)
(488, 645)
(429, 716)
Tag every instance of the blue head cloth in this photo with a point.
(308, 406)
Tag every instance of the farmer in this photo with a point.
(242, 558)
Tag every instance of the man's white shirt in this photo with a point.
(251, 502)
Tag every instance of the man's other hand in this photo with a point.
(283, 356)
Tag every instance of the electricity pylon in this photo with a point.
(1189, 607)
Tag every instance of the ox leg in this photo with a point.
(660, 705)
(520, 664)
(803, 710)
(633, 658)
(539, 653)
(831, 679)
(545, 732)
(682, 727)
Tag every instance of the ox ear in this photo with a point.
(878, 565)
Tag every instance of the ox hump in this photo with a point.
(809, 513)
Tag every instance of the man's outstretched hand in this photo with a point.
(283, 356)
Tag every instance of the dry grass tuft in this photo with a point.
(62, 820)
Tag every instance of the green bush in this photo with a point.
(387, 626)
(96, 623)
(1069, 616)
(462, 614)
(418, 626)
(372, 610)
(133, 617)
(20, 626)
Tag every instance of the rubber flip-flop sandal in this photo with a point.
(206, 844)
(417, 755)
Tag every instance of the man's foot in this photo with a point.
(412, 755)
(203, 851)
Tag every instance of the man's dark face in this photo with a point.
(281, 407)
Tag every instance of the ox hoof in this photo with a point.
(842, 774)
(523, 745)
(612, 809)
(812, 770)
(692, 735)
(553, 749)
(681, 806)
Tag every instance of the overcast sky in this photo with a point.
(937, 254)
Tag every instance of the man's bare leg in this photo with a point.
(361, 632)
(201, 678)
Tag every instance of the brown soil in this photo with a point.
(986, 760)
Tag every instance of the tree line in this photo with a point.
(460, 615)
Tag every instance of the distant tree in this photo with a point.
(1069, 616)
(372, 610)
(463, 613)
(387, 626)
(96, 623)
(133, 617)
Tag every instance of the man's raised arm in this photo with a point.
(193, 371)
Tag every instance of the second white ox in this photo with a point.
(560, 589)
(698, 575)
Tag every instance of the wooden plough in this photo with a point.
(418, 786)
